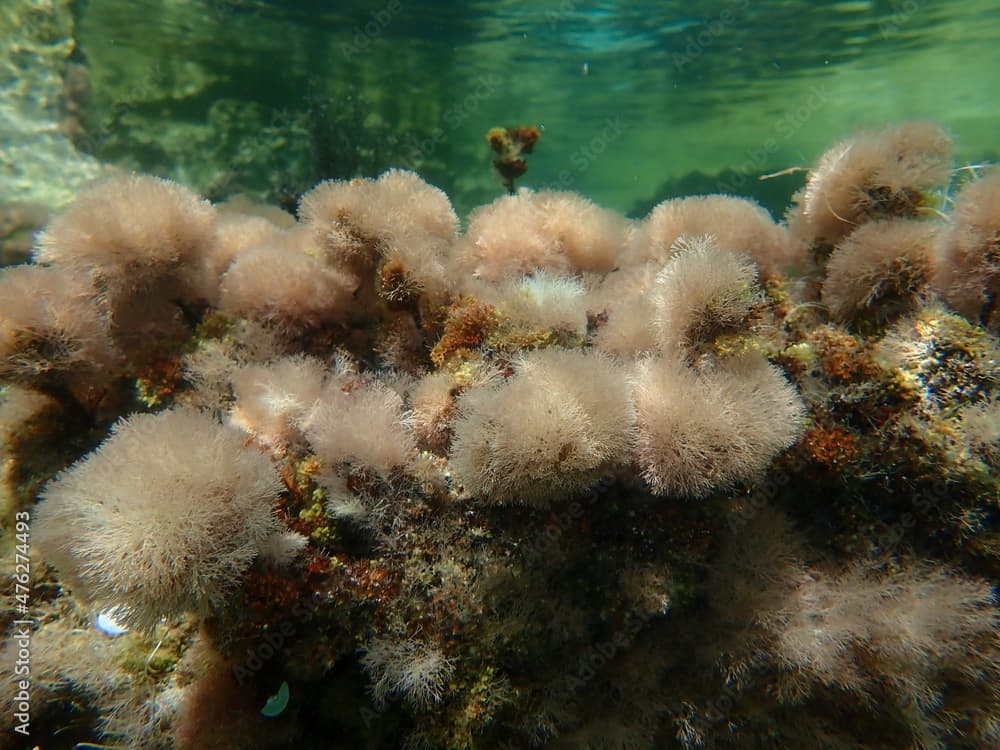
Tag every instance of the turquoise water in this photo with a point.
(635, 100)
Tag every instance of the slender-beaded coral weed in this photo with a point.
(700, 432)
(969, 272)
(132, 234)
(701, 293)
(546, 430)
(873, 175)
(54, 332)
(881, 269)
(162, 518)
(411, 670)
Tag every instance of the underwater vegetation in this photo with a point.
(510, 144)
(359, 478)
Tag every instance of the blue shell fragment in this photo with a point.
(277, 702)
(107, 624)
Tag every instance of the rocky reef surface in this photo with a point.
(361, 478)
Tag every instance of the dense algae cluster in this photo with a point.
(361, 479)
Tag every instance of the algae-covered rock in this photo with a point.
(40, 164)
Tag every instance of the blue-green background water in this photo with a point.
(637, 100)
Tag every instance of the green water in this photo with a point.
(636, 100)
